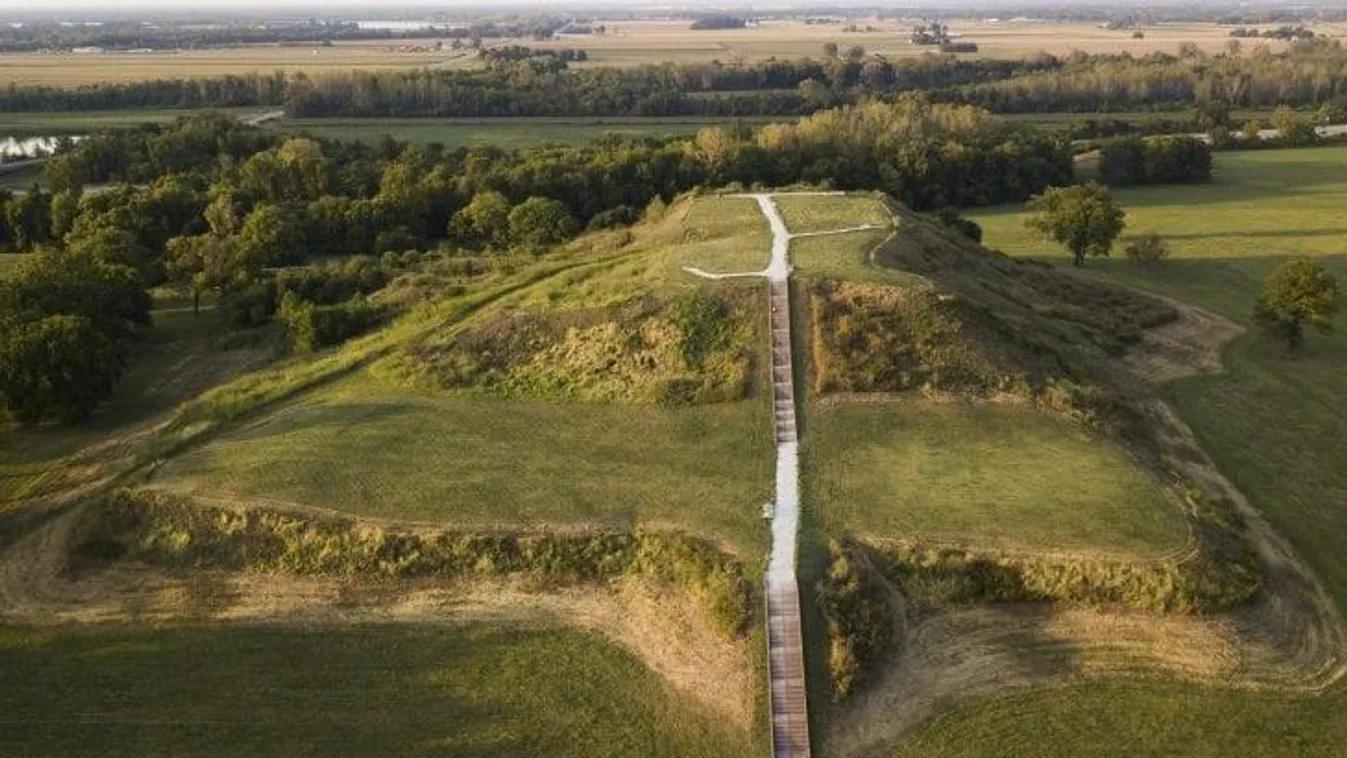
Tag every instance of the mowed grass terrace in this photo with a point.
(256, 690)
(982, 475)
(379, 450)
(1273, 424)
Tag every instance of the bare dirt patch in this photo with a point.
(1190, 346)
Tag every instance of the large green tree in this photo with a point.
(1297, 293)
(540, 221)
(485, 218)
(1083, 219)
(59, 366)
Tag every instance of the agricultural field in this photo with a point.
(221, 690)
(73, 70)
(994, 476)
(626, 43)
(650, 42)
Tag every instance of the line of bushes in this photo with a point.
(855, 604)
(1222, 572)
(172, 532)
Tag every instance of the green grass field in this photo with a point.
(982, 475)
(507, 133)
(804, 214)
(84, 122)
(384, 451)
(725, 234)
(224, 690)
(1137, 720)
(1273, 424)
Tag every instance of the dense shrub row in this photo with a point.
(860, 618)
(1221, 573)
(171, 532)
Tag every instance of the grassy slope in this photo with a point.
(375, 448)
(165, 368)
(1275, 427)
(368, 690)
(823, 213)
(378, 450)
(1138, 720)
(983, 474)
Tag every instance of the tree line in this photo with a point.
(521, 82)
(1310, 74)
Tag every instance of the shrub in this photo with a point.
(169, 531)
(855, 605)
(1148, 248)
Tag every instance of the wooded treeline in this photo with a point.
(543, 85)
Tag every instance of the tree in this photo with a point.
(1148, 248)
(1083, 218)
(1252, 132)
(485, 218)
(109, 295)
(1298, 292)
(65, 206)
(829, 50)
(59, 366)
(1294, 129)
(540, 221)
(271, 235)
(29, 218)
(209, 263)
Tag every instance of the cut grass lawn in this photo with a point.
(724, 234)
(804, 214)
(845, 257)
(1137, 720)
(378, 450)
(362, 691)
(169, 362)
(984, 475)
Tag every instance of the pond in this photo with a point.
(18, 148)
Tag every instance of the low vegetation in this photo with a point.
(858, 609)
(168, 531)
(695, 349)
(264, 690)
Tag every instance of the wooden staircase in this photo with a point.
(785, 648)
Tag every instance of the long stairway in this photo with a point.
(790, 710)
